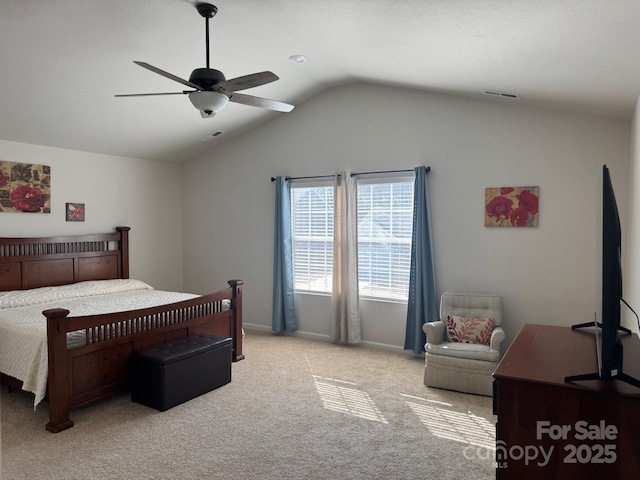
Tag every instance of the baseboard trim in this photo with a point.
(326, 338)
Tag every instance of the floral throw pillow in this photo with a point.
(469, 330)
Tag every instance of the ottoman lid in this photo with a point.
(181, 348)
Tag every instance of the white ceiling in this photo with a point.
(62, 61)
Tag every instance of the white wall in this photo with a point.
(116, 191)
(631, 239)
(546, 275)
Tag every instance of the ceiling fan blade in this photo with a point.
(246, 81)
(150, 94)
(260, 102)
(167, 75)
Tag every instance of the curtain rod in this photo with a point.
(273, 179)
(355, 174)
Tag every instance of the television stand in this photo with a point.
(623, 377)
(591, 324)
(584, 376)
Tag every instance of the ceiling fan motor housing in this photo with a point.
(206, 78)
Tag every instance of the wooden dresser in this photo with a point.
(548, 428)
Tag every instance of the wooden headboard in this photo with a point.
(52, 261)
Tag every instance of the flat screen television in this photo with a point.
(608, 344)
(611, 356)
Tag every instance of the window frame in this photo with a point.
(387, 179)
(306, 184)
(328, 266)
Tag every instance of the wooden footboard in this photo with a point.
(99, 368)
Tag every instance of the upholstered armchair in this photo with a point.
(463, 348)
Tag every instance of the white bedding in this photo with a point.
(23, 327)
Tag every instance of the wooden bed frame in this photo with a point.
(80, 375)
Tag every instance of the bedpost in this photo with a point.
(58, 379)
(124, 251)
(236, 305)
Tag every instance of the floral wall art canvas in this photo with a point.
(25, 187)
(511, 207)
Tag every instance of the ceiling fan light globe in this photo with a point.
(210, 102)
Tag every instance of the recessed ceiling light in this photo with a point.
(298, 58)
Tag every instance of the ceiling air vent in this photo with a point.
(213, 135)
(495, 93)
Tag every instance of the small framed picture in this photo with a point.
(75, 212)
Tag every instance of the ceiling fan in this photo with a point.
(211, 90)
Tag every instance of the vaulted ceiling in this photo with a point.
(61, 62)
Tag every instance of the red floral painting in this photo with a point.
(25, 187)
(511, 206)
(75, 212)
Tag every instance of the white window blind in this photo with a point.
(312, 232)
(385, 222)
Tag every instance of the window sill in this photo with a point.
(368, 299)
(384, 300)
(312, 292)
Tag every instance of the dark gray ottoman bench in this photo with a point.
(172, 373)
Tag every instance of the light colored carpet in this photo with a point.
(295, 409)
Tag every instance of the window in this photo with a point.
(385, 221)
(312, 232)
